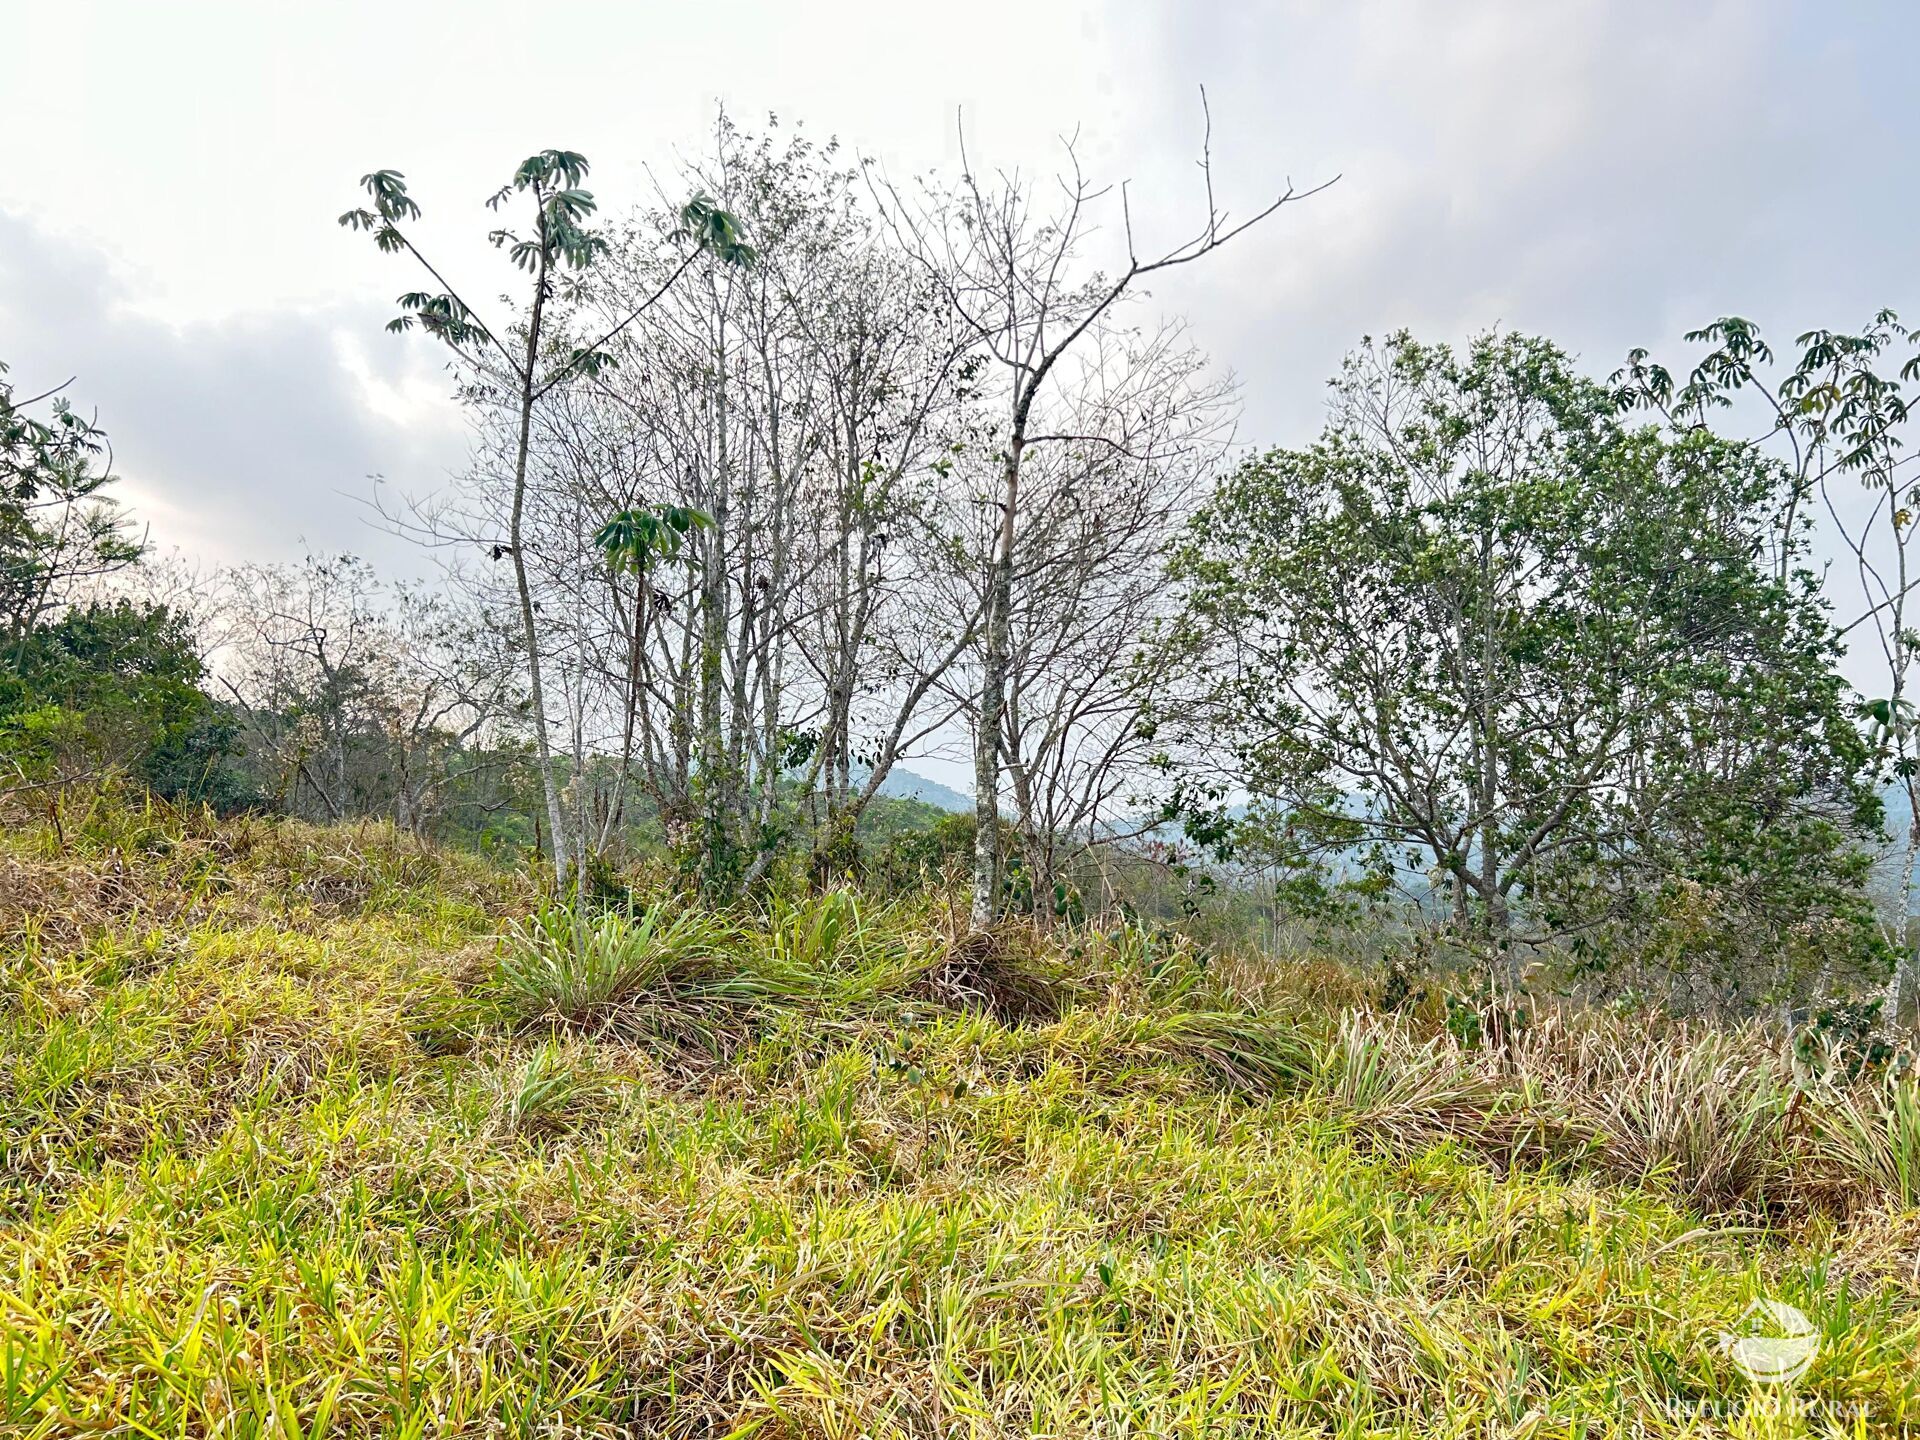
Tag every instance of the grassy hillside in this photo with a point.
(309, 1131)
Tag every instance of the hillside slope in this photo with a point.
(307, 1132)
(906, 785)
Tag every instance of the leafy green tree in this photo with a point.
(105, 687)
(57, 528)
(116, 688)
(1575, 672)
(557, 244)
(1835, 414)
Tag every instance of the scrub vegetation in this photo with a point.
(320, 1130)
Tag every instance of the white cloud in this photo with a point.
(1608, 172)
(242, 438)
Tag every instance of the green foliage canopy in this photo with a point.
(57, 528)
(1575, 671)
(117, 687)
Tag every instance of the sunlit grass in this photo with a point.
(358, 1165)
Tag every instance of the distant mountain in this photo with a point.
(906, 785)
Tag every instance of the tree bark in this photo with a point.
(993, 688)
(550, 791)
(715, 785)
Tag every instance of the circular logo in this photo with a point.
(1772, 1342)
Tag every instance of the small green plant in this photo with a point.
(1846, 1032)
(814, 932)
(546, 1092)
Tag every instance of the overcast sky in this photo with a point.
(1608, 174)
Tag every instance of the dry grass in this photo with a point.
(1704, 1114)
(1868, 1136)
(1001, 972)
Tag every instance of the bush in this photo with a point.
(117, 687)
(1870, 1134)
(1702, 1113)
(911, 859)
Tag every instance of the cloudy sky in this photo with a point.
(1605, 173)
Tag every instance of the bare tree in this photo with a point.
(1016, 271)
(1090, 680)
(764, 677)
(359, 697)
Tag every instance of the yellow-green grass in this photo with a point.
(287, 1152)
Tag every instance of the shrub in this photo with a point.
(1399, 1090)
(923, 855)
(1703, 1113)
(546, 1092)
(117, 687)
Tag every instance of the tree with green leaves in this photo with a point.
(1576, 673)
(524, 369)
(116, 688)
(58, 529)
(1835, 414)
(638, 543)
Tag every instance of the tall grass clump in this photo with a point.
(563, 965)
(1400, 1090)
(854, 950)
(546, 1091)
(1252, 1052)
(1704, 1114)
(1870, 1135)
(819, 932)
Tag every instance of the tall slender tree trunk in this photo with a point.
(713, 782)
(630, 700)
(1906, 964)
(1492, 886)
(993, 690)
(1901, 986)
(556, 820)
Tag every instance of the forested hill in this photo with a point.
(904, 784)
